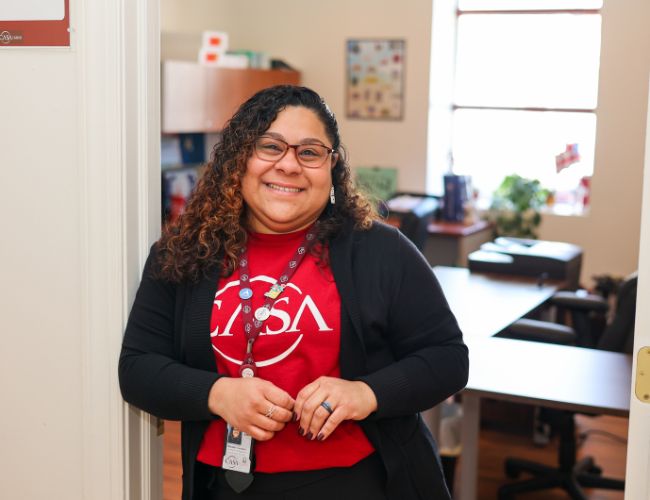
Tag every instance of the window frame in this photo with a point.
(454, 106)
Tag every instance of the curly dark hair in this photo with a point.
(212, 229)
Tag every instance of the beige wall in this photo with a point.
(609, 234)
(310, 35)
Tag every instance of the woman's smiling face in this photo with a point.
(283, 196)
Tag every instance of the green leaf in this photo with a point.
(514, 196)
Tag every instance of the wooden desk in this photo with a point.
(449, 243)
(485, 304)
(550, 375)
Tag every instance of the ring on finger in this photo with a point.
(271, 410)
(327, 407)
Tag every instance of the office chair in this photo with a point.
(572, 474)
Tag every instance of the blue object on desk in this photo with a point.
(192, 148)
(454, 198)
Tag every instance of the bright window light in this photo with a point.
(525, 88)
(528, 4)
(513, 60)
(491, 144)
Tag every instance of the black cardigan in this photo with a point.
(397, 334)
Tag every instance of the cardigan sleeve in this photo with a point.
(430, 358)
(151, 374)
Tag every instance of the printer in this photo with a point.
(525, 257)
(412, 212)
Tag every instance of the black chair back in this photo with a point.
(618, 336)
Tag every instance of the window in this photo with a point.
(525, 86)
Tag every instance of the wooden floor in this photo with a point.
(495, 445)
(172, 461)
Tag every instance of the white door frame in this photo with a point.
(637, 474)
(119, 147)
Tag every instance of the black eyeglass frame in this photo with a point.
(330, 151)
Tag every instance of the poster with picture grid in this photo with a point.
(375, 79)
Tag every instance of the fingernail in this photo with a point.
(301, 431)
(320, 436)
(309, 436)
(295, 416)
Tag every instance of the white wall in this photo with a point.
(310, 35)
(40, 363)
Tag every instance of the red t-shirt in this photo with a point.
(298, 343)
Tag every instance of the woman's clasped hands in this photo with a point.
(260, 408)
(252, 405)
(326, 402)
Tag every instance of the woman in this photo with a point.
(279, 308)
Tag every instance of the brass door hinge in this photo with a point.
(642, 386)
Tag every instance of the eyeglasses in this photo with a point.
(308, 155)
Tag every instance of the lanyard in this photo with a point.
(253, 321)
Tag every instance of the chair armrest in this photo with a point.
(541, 331)
(571, 300)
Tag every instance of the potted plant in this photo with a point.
(515, 207)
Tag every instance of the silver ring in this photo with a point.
(269, 413)
(327, 406)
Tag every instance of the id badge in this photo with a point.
(237, 451)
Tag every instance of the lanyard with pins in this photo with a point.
(253, 321)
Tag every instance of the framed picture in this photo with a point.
(375, 79)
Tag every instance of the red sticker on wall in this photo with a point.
(35, 23)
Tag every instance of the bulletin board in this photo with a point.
(34, 23)
(375, 79)
(379, 183)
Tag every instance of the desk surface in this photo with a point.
(553, 376)
(457, 229)
(485, 304)
(550, 375)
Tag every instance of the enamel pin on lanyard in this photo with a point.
(238, 449)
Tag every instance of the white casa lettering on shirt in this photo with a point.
(287, 324)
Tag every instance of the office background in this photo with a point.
(68, 137)
(284, 32)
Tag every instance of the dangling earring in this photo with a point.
(332, 197)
